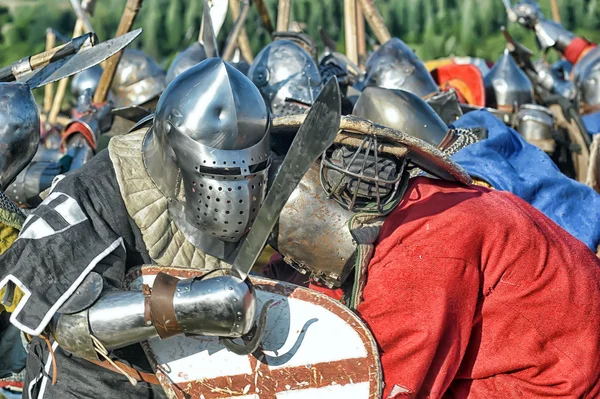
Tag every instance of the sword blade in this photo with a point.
(314, 137)
(80, 61)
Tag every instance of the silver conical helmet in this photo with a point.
(213, 122)
(287, 77)
(506, 85)
(395, 66)
(189, 57)
(138, 79)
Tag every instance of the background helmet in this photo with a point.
(88, 79)
(212, 121)
(19, 130)
(395, 66)
(403, 111)
(506, 85)
(588, 84)
(185, 60)
(287, 77)
(138, 79)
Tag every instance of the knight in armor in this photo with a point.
(181, 189)
(496, 156)
(138, 83)
(462, 286)
(19, 139)
(584, 57)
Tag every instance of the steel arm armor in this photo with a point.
(221, 306)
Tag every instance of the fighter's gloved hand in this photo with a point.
(526, 13)
(548, 33)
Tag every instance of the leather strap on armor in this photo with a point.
(139, 376)
(161, 306)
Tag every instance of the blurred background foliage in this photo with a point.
(434, 28)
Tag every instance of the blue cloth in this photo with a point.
(507, 162)
(592, 123)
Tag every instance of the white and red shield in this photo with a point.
(313, 348)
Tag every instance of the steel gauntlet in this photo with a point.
(221, 306)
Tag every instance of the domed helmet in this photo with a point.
(185, 60)
(19, 130)
(287, 77)
(138, 79)
(403, 111)
(88, 79)
(213, 123)
(395, 66)
(506, 85)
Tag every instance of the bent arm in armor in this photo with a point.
(213, 305)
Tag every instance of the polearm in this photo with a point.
(132, 8)
(361, 35)
(81, 15)
(555, 11)
(263, 12)
(375, 21)
(25, 65)
(350, 30)
(62, 85)
(284, 9)
(243, 44)
(49, 88)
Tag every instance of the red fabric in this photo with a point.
(466, 79)
(78, 127)
(473, 293)
(576, 48)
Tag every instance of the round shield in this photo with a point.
(313, 347)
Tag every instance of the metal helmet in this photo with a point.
(287, 77)
(138, 79)
(588, 84)
(185, 60)
(506, 85)
(395, 66)
(401, 110)
(88, 79)
(213, 123)
(19, 130)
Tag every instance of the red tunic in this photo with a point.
(473, 293)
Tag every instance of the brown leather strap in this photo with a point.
(133, 373)
(161, 306)
(147, 304)
(589, 109)
(448, 139)
(506, 108)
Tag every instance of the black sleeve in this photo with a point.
(61, 242)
